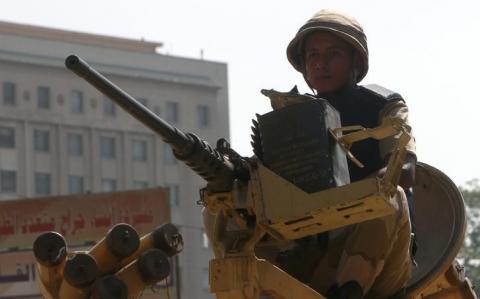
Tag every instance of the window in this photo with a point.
(75, 184)
(43, 97)
(7, 137)
(109, 185)
(8, 181)
(41, 140)
(42, 184)
(76, 102)
(139, 150)
(172, 112)
(140, 184)
(109, 108)
(9, 93)
(168, 156)
(75, 144)
(173, 192)
(107, 148)
(203, 116)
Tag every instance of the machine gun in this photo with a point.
(212, 165)
(259, 200)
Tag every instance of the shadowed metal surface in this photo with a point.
(441, 223)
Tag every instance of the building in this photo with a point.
(59, 136)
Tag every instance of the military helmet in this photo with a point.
(339, 24)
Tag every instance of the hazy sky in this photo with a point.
(426, 50)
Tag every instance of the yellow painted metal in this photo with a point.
(50, 278)
(71, 292)
(451, 284)
(389, 127)
(246, 277)
(109, 259)
(146, 242)
(287, 212)
(131, 276)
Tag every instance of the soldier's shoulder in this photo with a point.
(380, 93)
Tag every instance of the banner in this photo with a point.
(81, 219)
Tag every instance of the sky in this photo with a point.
(428, 51)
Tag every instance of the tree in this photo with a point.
(470, 253)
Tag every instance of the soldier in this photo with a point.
(370, 259)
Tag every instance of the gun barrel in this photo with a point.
(152, 266)
(109, 287)
(79, 274)
(121, 241)
(50, 249)
(177, 139)
(196, 153)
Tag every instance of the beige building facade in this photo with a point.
(59, 136)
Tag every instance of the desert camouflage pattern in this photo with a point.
(395, 109)
(374, 253)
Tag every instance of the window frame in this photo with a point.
(3, 173)
(41, 140)
(71, 149)
(113, 184)
(203, 116)
(77, 107)
(105, 153)
(139, 185)
(172, 112)
(43, 103)
(9, 140)
(39, 177)
(109, 108)
(9, 99)
(143, 156)
(71, 179)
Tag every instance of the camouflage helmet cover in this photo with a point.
(339, 24)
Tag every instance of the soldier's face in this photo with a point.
(328, 61)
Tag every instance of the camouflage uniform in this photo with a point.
(376, 253)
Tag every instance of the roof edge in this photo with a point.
(78, 37)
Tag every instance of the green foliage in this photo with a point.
(470, 253)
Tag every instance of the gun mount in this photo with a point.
(207, 162)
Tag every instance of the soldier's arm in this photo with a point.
(400, 110)
(407, 177)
